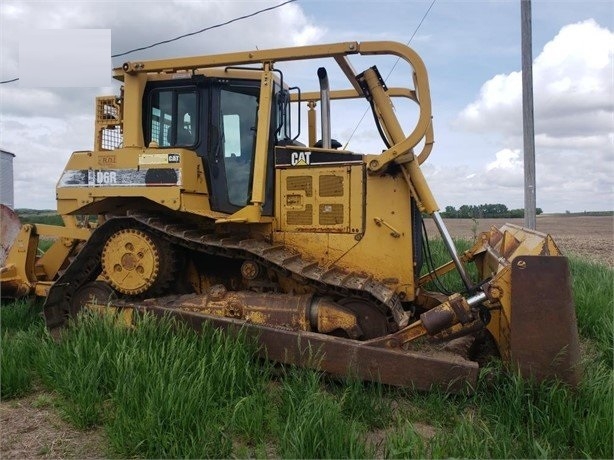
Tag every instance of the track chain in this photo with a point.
(86, 266)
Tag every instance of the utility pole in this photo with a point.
(528, 123)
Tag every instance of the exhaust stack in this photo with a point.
(325, 99)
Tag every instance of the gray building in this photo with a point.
(6, 178)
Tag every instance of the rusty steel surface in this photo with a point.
(9, 228)
(281, 311)
(343, 357)
(275, 255)
(544, 334)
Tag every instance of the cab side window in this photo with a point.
(173, 117)
(238, 111)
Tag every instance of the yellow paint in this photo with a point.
(363, 246)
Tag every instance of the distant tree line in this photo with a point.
(39, 216)
(480, 211)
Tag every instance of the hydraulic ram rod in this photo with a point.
(447, 240)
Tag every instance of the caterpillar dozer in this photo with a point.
(199, 201)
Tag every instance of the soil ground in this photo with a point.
(590, 237)
(31, 427)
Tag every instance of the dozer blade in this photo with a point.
(544, 340)
(535, 327)
(338, 356)
(9, 228)
(17, 257)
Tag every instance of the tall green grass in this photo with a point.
(17, 354)
(22, 331)
(593, 292)
(438, 256)
(314, 424)
(509, 417)
(192, 388)
(80, 367)
(163, 391)
(160, 390)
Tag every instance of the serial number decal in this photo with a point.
(159, 158)
(105, 160)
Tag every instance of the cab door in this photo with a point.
(234, 108)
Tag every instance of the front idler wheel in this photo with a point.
(94, 292)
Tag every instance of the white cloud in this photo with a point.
(506, 160)
(571, 76)
(466, 184)
(574, 120)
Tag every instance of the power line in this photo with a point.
(216, 26)
(392, 69)
(412, 37)
(205, 29)
(8, 81)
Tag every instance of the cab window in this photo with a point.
(173, 117)
(239, 107)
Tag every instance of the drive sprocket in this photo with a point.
(135, 262)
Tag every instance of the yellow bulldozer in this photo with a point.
(199, 201)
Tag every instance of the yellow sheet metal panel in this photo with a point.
(383, 250)
(387, 246)
(262, 137)
(134, 85)
(159, 175)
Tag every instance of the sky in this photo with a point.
(472, 51)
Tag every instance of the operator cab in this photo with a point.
(216, 118)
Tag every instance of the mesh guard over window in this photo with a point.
(109, 134)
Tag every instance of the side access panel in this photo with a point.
(325, 199)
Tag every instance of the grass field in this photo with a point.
(162, 391)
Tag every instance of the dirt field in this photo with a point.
(585, 236)
(31, 428)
